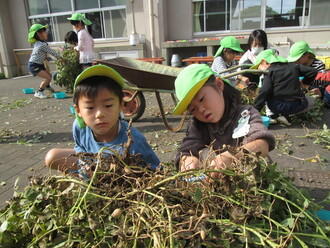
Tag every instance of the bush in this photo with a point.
(2, 76)
(68, 70)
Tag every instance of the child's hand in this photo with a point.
(189, 163)
(221, 161)
(245, 80)
(85, 171)
(317, 91)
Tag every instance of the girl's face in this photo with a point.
(228, 56)
(79, 26)
(256, 47)
(43, 35)
(208, 105)
(101, 114)
(263, 65)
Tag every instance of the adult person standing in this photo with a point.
(85, 40)
(257, 42)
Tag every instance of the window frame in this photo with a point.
(53, 15)
(305, 20)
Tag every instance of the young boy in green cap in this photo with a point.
(224, 59)
(301, 53)
(38, 36)
(281, 88)
(85, 40)
(98, 100)
(219, 120)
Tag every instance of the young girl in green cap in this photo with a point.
(219, 120)
(85, 40)
(281, 87)
(38, 36)
(224, 58)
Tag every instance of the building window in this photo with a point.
(246, 15)
(283, 13)
(224, 15)
(211, 15)
(108, 17)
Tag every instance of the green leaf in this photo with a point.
(271, 187)
(289, 222)
(197, 196)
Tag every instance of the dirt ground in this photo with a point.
(30, 127)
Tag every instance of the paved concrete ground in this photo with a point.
(29, 127)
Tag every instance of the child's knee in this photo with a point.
(50, 157)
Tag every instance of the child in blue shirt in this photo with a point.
(98, 100)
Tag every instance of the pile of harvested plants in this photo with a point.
(124, 205)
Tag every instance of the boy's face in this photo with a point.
(101, 114)
(305, 60)
(208, 105)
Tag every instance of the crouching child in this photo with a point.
(98, 101)
(219, 120)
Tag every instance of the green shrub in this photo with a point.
(2, 76)
(68, 69)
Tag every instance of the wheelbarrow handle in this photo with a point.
(245, 71)
(235, 67)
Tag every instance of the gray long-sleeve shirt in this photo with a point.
(200, 135)
(40, 51)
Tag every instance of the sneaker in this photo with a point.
(283, 120)
(40, 94)
(273, 118)
(50, 89)
(273, 121)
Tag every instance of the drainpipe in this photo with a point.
(134, 37)
(151, 26)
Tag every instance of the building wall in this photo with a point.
(172, 20)
(14, 30)
(179, 16)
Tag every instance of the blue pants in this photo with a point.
(287, 107)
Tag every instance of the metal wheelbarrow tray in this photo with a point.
(144, 76)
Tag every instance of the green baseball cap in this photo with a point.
(80, 17)
(96, 70)
(189, 82)
(298, 49)
(229, 42)
(32, 31)
(270, 56)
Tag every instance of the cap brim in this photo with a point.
(100, 70)
(239, 50)
(183, 104)
(293, 59)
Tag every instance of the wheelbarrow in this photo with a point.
(150, 77)
(145, 76)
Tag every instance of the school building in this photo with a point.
(161, 28)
